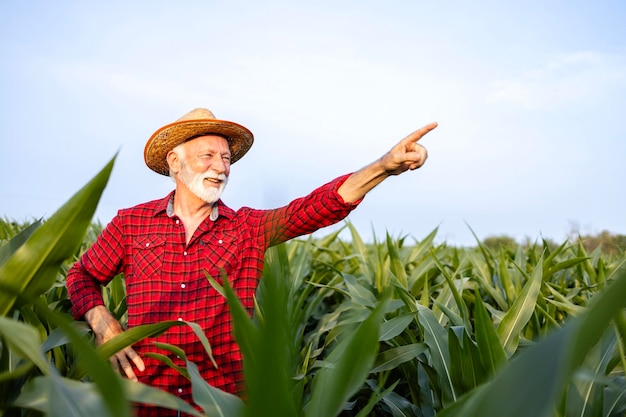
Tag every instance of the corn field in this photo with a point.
(397, 327)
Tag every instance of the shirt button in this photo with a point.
(220, 241)
(180, 319)
(182, 285)
(147, 244)
(185, 253)
(180, 390)
(177, 221)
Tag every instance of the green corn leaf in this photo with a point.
(265, 349)
(172, 349)
(135, 334)
(83, 399)
(435, 337)
(58, 337)
(545, 367)
(369, 267)
(114, 296)
(16, 241)
(454, 318)
(483, 276)
(422, 248)
(568, 263)
(395, 326)
(491, 351)
(586, 392)
(32, 269)
(375, 398)
(25, 341)
(399, 406)
(246, 334)
(508, 283)
(473, 373)
(357, 243)
(169, 362)
(15, 372)
(419, 276)
(214, 402)
(465, 364)
(455, 349)
(490, 260)
(396, 265)
(358, 292)
(348, 366)
(568, 307)
(614, 397)
(55, 396)
(215, 284)
(391, 358)
(620, 264)
(277, 337)
(145, 394)
(452, 285)
(550, 255)
(98, 368)
(520, 312)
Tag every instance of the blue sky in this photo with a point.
(529, 97)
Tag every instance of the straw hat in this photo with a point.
(195, 123)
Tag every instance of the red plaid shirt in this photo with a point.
(165, 278)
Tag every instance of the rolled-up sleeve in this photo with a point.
(96, 267)
(322, 207)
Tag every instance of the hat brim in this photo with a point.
(165, 139)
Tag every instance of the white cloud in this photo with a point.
(568, 80)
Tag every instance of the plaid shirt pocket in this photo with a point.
(148, 257)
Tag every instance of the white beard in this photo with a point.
(195, 183)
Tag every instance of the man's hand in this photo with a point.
(105, 327)
(407, 154)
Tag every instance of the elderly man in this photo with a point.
(164, 247)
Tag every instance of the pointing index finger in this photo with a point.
(421, 132)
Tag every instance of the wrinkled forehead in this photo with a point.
(210, 134)
(208, 140)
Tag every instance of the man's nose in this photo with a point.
(219, 165)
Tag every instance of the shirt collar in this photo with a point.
(167, 205)
(162, 205)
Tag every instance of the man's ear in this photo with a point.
(173, 161)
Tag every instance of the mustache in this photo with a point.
(212, 176)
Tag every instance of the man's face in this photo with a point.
(205, 167)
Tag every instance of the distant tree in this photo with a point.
(544, 242)
(610, 244)
(495, 242)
